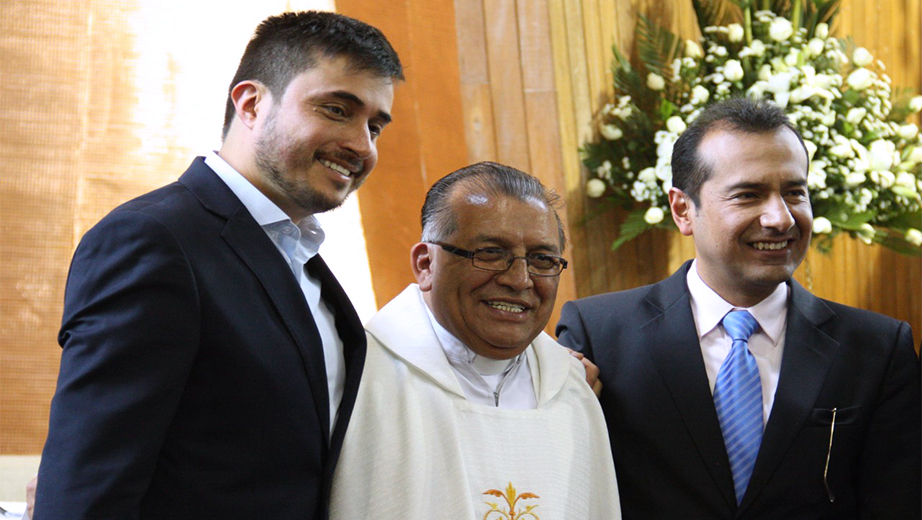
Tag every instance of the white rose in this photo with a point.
(757, 48)
(781, 29)
(915, 156)
(765, 72)
(780, 83)
(735, 32)
(862, 57)
(595, 188)
(866, 233)
(647, 176)
(654, 215)
(699, 95)
(860, 79)
(881, 155)
(822, 225)
(816, 46)
(733, 70)
(915, 104)
(655, 81)
(854, 179)
(914, 237)
(675, 125)
(604, 171)
(909, 131)
(664, 172)
(906, 180)
(822, 30)
(883, 178)
(855, 115)
(692, 50)
(611, 132)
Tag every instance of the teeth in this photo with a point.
(770, 246)
(335, 167)
(506, 307)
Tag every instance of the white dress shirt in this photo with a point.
(500, 383)
(766, 344)
(297, 244)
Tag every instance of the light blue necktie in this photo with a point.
(738, 400)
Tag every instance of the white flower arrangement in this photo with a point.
(865, 174)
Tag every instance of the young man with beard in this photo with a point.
(211, 360)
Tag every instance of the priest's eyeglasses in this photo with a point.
(499, 260)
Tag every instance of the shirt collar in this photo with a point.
(459, 353)
(710, 308)
(263, 210)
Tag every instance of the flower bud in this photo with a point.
(816, 46)
(654, 215)
(692, 49)
(822, 30)
(822, 225)
(735, 32)
(914, 237)
(909, 131)
(733, 71)
(595, 188)
(862, 57)
(781, 29)
(860, 79)
(655, 81)
(611, 132)
(675, 125)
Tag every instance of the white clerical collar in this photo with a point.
(709, 308)
(263, 210)
(459, 353)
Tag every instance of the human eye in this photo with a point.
(543, 262)
(491, 254)
(335, 110)
(375, 129)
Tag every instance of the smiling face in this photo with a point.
(496, 314)
(753, 224)
(318, 142)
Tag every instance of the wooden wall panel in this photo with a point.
(425, 140)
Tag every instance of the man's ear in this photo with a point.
(682, 206)
(250, 97)
(421, 263)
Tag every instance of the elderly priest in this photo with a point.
(466, 408)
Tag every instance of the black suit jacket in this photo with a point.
(192, 381)
(669, 453)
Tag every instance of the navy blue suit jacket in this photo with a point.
(192, 381)
(669, 453)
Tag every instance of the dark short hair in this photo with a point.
(285, 45)
(740, 114)
(483, 178)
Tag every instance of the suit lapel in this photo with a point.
(808, 354)
(676, 352)
(257, 251)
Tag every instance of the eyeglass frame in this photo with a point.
(465, 253)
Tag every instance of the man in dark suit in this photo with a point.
(812, 412)
(211, 360)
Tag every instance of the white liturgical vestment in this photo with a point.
(416, 448)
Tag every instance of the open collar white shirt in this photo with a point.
(766, 343)
(501, 383)
(297, 244)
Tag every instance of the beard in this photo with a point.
(277, 170)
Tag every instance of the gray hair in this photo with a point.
(483, 178)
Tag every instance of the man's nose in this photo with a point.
(777, 215)
(517, 276)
